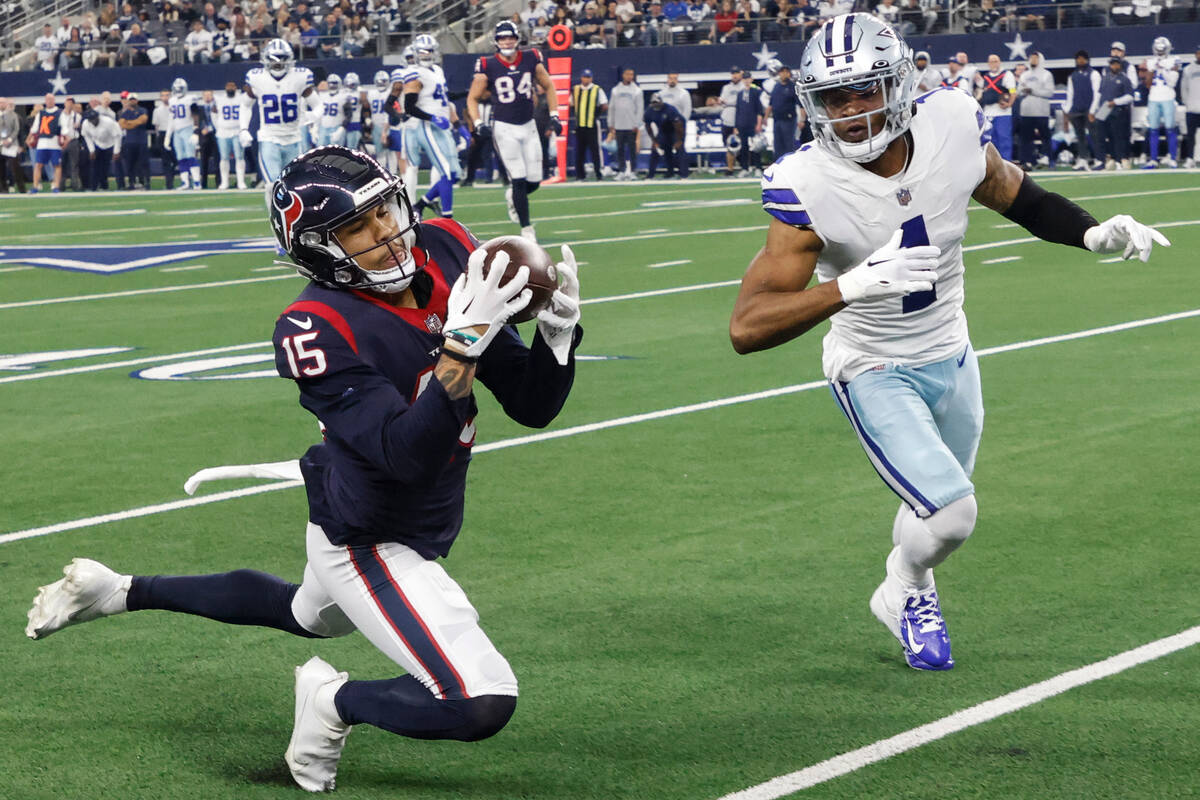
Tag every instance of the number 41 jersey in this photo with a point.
(279, 103)
(511, 85)
(855, 212)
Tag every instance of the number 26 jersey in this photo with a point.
(280, 102)
(855, 212)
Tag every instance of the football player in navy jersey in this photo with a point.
(385, 345)
(509, 77)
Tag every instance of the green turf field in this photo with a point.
(684, 598)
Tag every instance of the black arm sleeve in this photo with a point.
(1049, 216)
(528, 382)
(410, 107)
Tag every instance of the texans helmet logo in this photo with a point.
(289, 213)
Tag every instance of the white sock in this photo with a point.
(224, 172)
(925, 543)
(196, 176)
(240, 164)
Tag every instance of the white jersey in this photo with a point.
(378, 101)
(329, 106)
(1164, 71)
(855, 212)
(227, 113)
(181, 112)
(280, 103)
(432, 99)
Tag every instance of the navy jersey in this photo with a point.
(511, 85)
(393, 464)
(662, 122)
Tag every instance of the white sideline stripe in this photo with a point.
(1001, 260)
(14, 269)
(54, 373)
(573, 431)
(661, 264)
(184, 269)
(135, 292)
(961, 720)
(271, 268)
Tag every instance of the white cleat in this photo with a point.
(222, 186)
(242, 186)
(318, 734)
(529, 233)
(512, 208)
(89, 591)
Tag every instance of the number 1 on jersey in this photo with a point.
(915, 235)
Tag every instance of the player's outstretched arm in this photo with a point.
(1054, 218)
(773, 305)
(479, 85)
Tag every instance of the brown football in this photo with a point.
(543, 277)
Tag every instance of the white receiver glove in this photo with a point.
(556, 322)
(246, 138)
(477, 302)
(891, 271)
(1123, 232)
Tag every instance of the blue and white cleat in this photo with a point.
(916, 623)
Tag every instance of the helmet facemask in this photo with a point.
(357, 269)
(896, 83)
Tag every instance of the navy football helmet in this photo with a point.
(506, 28)
(323, 190)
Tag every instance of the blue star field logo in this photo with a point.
(111, 259)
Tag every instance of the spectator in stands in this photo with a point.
(135, 146)
(988, 19)
(928, 78)
(785, 23)
(127, 18)
(1083, 99)
(103, 138)
(889, 12)
(588, 103)
(589, 30)
(676, 13)
(1116, 99)
(46, 47)
(136, 45)
(46, 143)
(807, 20)
(611, 24)
(10, 147)
(626, 107)
(70, 52)
(529, 16)
(107, 16)
(199, 44)
(725, 29)
(309, 39)
(355, 38)
(1093, 13)
(108, 48)
(208, 17)
(88, 32)
(1031, 16)
(653, 26)
(330, 42)
(1035, 87)
(222, 43)
(1189, 92)
(63, 32)
(631, 18)
(227, 10)
(562, 16)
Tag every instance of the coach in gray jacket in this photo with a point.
(1035, 88)
(625, 110)
(10, 147)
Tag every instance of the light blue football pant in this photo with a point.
(273, 157)
(328, 136)
(230, 146)
(919, 426)
(1160, 114)
(181, 143)
(438, 145)
(353, 137)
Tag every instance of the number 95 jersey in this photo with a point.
(279, 103)
(855, 212)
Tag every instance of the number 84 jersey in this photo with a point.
(279, 103)
(855, 212)
(511, 85)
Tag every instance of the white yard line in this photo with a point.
(1118, 196)
(661, 264)
(54, 373)
(134, 292)
(184, 269)
(572, 431)
(1002, 260)
(961, 720)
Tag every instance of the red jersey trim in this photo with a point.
(329, 315)
(455, 229)
(437, 300)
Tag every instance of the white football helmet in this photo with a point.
(179, 87)
(278, 58)
(773, 67)
(334, 83)
(351, 81)
(858, 53)
(382, 79)
(1162, 46)
(408, 55)
(425, 50)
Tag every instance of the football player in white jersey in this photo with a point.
(227, 117)
(352, 109)
(877, 207)
(427, 104)
(331, 129)
(377, 99)
(402, 137)
(281, 90)
(183, 134)
(1160, 112)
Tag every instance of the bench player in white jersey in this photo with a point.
(331, 129)
(377, 99)
(227, 117)
(183, 134)
(403, 130)
(509, 76)
(426, 103)
(1160, 111)
(877, 207)
(281, 90)
(352, 108)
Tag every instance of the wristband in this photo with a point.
(459, 357)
